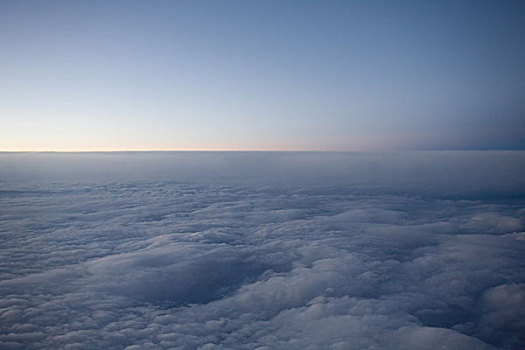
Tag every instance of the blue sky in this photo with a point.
(263, 75)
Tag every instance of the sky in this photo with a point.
(262, 75)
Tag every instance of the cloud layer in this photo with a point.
(261, 263)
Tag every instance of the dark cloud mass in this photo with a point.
(262, 251)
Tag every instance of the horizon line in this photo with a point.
(266, 150)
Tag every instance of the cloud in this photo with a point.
(201, 264)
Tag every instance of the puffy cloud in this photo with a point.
(145, 263)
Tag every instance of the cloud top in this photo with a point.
(237, 259)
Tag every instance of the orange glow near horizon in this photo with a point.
(83, 150)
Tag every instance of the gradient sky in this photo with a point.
(269, 75)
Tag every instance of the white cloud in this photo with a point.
(257, 265)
